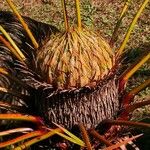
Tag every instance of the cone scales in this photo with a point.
(75, 59)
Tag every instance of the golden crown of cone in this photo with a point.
(75, 58)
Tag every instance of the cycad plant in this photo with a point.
(64, 84)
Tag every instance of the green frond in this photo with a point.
(76, 139)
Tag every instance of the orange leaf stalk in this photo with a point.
(130, 71)
(21, 138)
(127, 123)
(124, 115)
(127, 36)
(127, 99)
(137, 105)
(114, 35)
(25, 26)
(37, 139)
(85, 137)
(7, 44)
(99, 137)
(77, 2)
(21, 117)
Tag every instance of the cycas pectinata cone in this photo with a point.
(79, 60)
